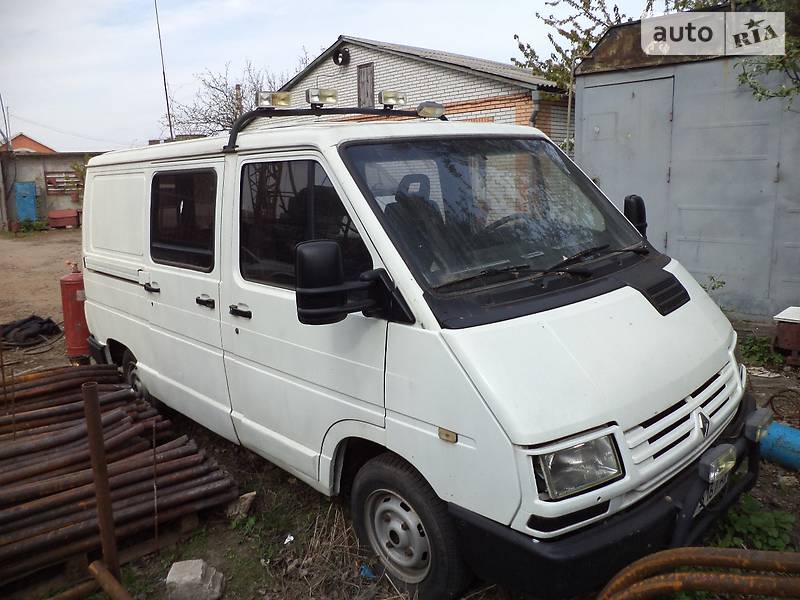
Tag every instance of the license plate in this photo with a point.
(712, 491)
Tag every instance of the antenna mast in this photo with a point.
(164, 72)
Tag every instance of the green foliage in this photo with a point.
(749, 525)
(574, 33)
(27, 226)
(753, 70)
(715, 282)
(758, 351)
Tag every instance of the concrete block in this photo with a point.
(194, 580)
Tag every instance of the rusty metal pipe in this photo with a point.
(27, 446)
(51, 371)
(11, 571)
(25, 426)
(733, 558)
(112, 440)
(33, 506)
(60, 386)
(65, 398)
(772, 586)
(126, 491)
(52, 524)
(120, 454)
(77, 592)
(102, 489)
(65, 409)
(108, 581)
(53, 485)
(68, 375)
(90, 526)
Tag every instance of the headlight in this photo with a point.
(579, 468)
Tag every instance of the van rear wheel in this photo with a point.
(399, 517)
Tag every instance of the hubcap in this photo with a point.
(397, 536)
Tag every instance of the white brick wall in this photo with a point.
(420, 81)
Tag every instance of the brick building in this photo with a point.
(45, 180)
(470, 88)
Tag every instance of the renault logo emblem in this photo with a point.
(705, 424)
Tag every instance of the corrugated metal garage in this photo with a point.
(719, 170)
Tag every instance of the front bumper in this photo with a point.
(584, 560)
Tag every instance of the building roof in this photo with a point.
(620, 46)
(477, 66)
(25, 143)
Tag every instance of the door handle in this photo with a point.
(152, 289)
(240, 312)
(205, 301)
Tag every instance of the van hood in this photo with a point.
(609, 359)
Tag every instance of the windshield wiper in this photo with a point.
(639, 248)
(570, 260)
(514, 269)
(578, 256)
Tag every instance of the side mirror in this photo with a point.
(322, 293)
(636, 213)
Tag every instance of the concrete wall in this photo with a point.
(32, 167)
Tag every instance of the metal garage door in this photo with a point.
(723, 185)
(717, 169)
(624, 145)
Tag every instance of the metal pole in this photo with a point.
(108, 581)
(570, 93)
(102, 490)
(164, 72)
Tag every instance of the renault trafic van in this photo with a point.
(448, 323)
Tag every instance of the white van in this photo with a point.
(446, 322)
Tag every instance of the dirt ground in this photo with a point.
(322, 559)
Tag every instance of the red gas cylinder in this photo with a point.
(76, 332)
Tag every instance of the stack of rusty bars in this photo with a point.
(47, 502)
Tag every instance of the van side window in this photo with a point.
(182, 219)
(284, 203)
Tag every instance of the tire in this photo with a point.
(397, 515)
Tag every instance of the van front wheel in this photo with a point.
(399, 517)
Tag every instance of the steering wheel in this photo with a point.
(517, 216)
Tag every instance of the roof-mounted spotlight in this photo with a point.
(317, 97)
(391, 98)
(430, 110)
(266, 99)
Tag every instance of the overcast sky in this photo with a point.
(86, 75)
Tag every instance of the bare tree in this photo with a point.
(221, 97)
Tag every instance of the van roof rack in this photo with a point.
(318, 111)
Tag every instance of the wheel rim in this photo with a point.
(397, 535)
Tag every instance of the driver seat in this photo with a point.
(415, 217)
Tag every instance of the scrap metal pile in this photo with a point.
(47, 500)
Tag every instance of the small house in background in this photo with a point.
(716, 167)
(23, 143)
(472, 89)
(38, 183)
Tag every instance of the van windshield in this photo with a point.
(461, 209)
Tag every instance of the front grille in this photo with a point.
(667, 295)
(654, 439)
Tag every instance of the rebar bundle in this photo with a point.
(48, 510)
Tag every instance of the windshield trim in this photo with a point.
(379, 214)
